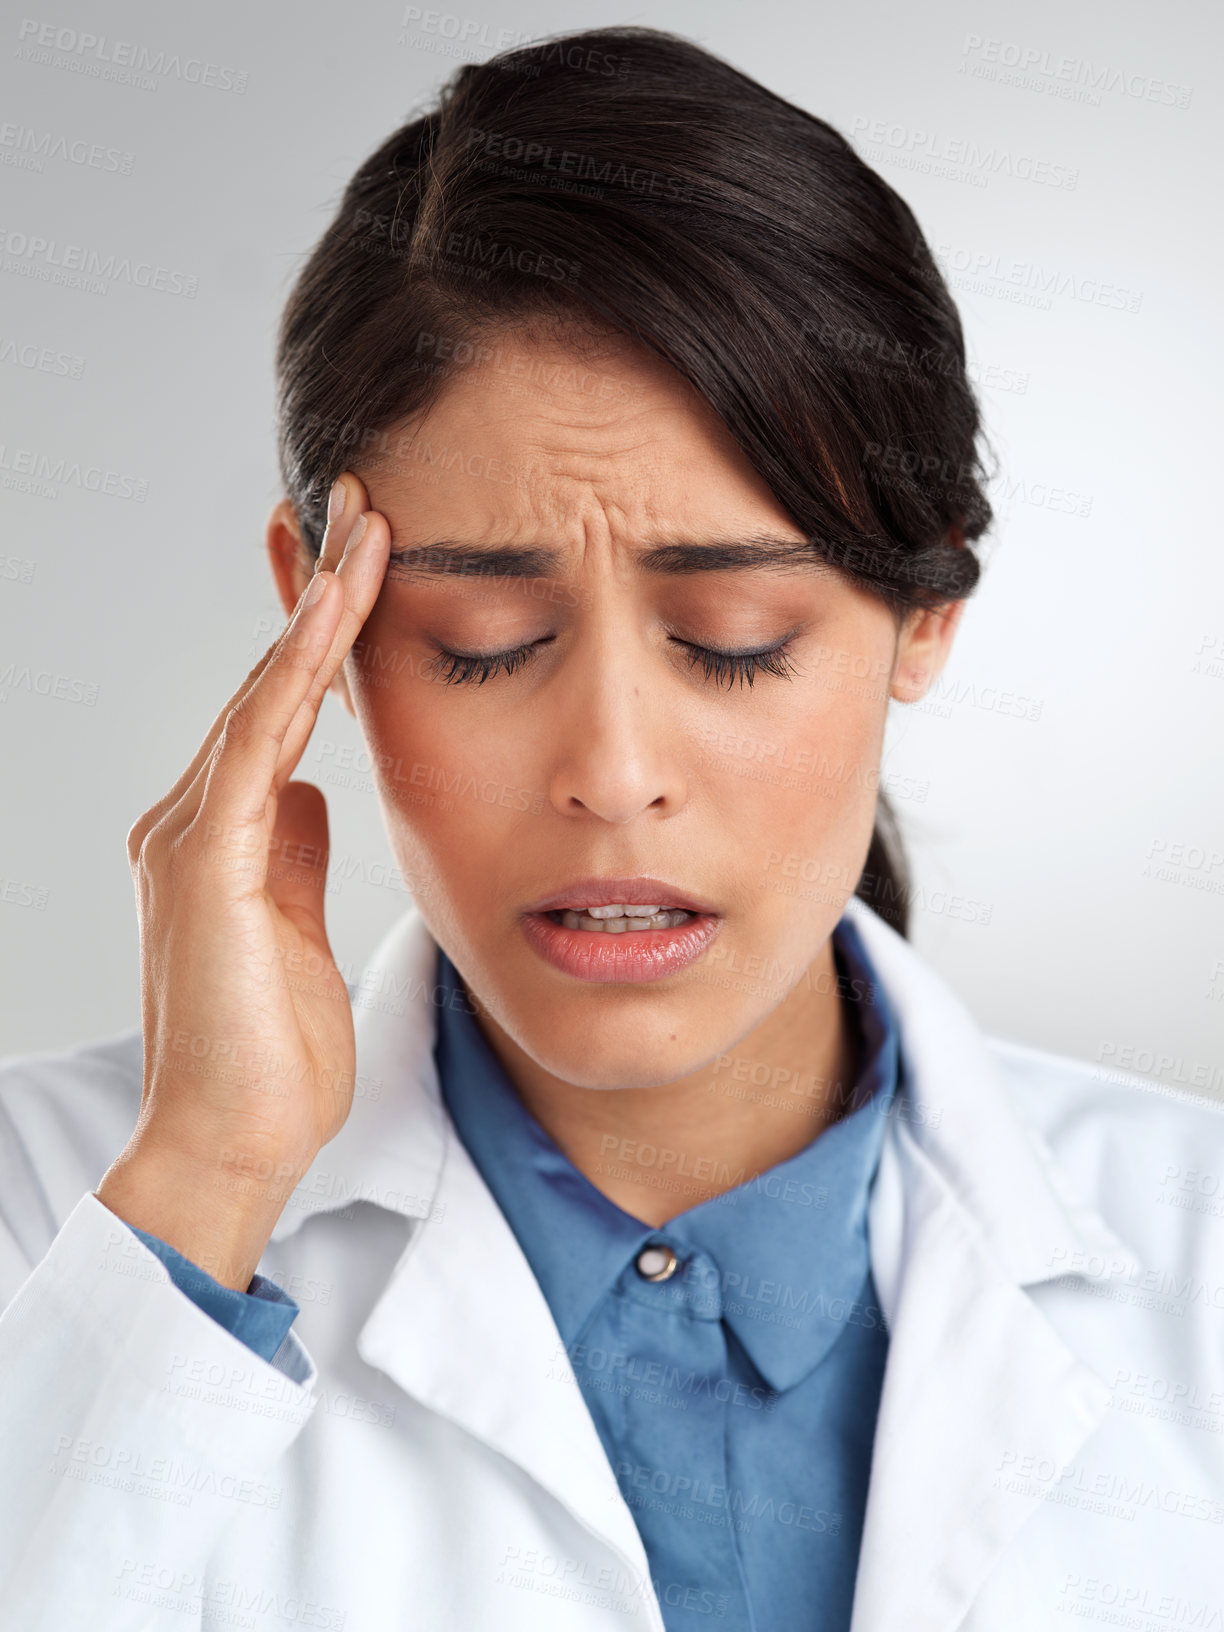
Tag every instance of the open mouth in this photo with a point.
(609, 945)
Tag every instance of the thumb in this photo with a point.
(297, 857)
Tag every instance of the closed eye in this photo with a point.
(459, 668)
(741, 666)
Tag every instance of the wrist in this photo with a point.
(218, 1211)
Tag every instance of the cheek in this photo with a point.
(800, 804)
(792, 787)
(456, 785)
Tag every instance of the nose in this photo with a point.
(615, 751)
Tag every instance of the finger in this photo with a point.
(351, 549)
(347, 526)
(201, 756)
(188, 790)
(349, 498)
(361, 570)
(346, 502)
(235, 796)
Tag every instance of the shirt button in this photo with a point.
(656, 1262)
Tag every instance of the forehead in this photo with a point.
(534, 433)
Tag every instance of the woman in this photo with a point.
(646, 1234)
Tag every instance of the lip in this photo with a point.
(635, 956)
(629, 892)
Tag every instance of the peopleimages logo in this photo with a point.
(1028, 282)
(956, 158)
(27, 148)
(46, 260)
(124, 60)
(1078, 79)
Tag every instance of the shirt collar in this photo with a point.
(790, 1243)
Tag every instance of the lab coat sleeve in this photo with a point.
(260, 1316)
(134, 1428)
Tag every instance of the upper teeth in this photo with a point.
(635, 911)
(622, 917)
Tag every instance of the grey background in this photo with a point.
(1061, 793)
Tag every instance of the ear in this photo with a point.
(292, 568)
(923, 646)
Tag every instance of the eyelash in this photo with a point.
(457, 668)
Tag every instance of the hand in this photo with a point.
(249, 1052)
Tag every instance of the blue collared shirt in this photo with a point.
(737, 1398)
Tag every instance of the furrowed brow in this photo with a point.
(514, 561)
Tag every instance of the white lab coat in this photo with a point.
(419, 1457)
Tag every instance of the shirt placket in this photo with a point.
(671, 1462)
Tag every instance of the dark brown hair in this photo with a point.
(625, 179)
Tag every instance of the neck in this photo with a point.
(656, 1152)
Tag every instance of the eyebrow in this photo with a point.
(517, 561)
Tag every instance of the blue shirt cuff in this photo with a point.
(260, 1317)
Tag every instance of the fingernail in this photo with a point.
(314, 589)
(354, 538)
(335, 500)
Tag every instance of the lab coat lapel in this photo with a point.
(462, 1325)
(976, 1379)
(465, 1329)
(967, 1209)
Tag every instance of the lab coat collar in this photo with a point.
(392, 1144)
(957, 1109)
(391, 1148)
